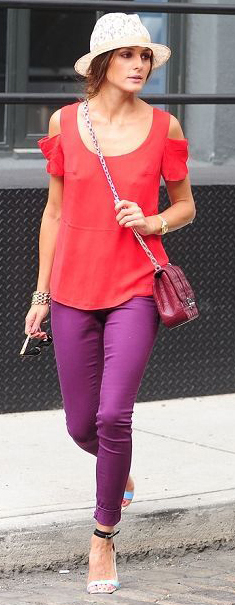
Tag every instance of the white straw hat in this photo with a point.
(116, 30)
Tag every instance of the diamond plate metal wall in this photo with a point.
(197, 359)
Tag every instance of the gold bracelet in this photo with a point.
(164, 227)
(40, 298)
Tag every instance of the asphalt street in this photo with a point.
(197, 578)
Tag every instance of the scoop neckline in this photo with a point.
(123, 155)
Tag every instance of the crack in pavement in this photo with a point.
(180, 439)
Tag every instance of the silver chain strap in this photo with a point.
(116, 198)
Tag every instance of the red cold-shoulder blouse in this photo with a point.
(98, 263)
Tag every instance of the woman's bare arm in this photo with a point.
(182, 210)
(50, 218)
(47, 242)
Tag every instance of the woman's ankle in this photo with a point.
(106, 528)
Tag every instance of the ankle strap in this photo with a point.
(103, 534)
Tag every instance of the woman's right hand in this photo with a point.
(33, 319)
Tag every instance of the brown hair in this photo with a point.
(97, 71)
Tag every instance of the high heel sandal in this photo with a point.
(96, 585)
(128, 496)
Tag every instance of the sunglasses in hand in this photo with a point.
(33, 351)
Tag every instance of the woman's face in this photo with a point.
(127, 62)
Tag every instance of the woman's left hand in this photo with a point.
(129, 214)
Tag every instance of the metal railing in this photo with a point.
(116, 5)
(22, 98)
(148, 7)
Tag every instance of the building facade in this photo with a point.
(38, 48)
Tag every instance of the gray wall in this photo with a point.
(210, 68)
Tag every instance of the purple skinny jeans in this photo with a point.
(101, 356)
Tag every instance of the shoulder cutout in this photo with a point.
(54, 123)
(175, 131)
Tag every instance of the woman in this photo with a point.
(103, 315)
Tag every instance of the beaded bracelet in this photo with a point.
(40, 298)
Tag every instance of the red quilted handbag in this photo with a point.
(172, 292)
(174, 296)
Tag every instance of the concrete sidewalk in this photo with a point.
(183, 464)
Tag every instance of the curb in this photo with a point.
(161, 532)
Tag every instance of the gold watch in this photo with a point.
(164, 227)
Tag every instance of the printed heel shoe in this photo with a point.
(98, 586)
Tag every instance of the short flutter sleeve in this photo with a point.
(175, 155)
(53, 152)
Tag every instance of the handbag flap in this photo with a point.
(178, 281)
